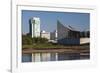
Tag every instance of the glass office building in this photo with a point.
(34, 26)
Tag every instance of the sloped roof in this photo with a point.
(67, 27)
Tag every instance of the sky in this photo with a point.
(48, 20)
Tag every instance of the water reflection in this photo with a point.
(40, 57)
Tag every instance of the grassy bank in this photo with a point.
(49, 45)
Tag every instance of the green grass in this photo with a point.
(46, 45)
(49, 45)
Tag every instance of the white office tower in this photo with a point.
(35, 27)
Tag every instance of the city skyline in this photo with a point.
(48, 19)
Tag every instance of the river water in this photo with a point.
(42, 57)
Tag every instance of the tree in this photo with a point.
(26, 40)
(39, 40)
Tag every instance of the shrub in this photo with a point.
(39, 40)
(26, 40)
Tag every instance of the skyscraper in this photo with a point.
(34, 27)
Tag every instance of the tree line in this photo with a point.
(28, 40)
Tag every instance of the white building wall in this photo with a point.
(35, 22)
(84, 40)
(45, 35)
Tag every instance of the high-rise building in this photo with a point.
(34, 27)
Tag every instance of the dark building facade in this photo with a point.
(68, 35)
